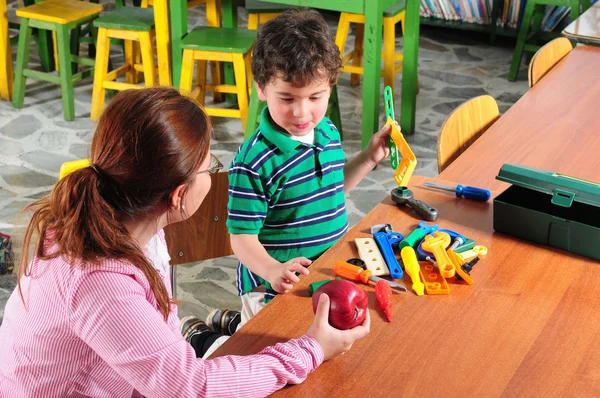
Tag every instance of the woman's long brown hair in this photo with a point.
(147, 143)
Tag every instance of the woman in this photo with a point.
(91, 316)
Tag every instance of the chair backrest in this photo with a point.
(464, 126)
(204, 235)
(546, 57)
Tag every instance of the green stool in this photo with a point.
(60, 16)
(256, 107)
(531, 28)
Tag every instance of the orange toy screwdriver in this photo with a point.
(355, 273)
(384, 297)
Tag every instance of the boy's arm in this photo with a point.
(253, 255)
(377, 150)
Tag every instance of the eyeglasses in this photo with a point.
(214, 166)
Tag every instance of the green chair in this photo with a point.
(530, 29)
(60, 16)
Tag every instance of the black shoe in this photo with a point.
(223, 321)
(191, 326)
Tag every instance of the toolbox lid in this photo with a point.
(564, 189)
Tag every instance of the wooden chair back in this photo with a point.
(464, 126)
(546, 57)
(204, 235)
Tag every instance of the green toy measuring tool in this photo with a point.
(388, 99)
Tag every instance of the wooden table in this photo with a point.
(586, 28)
(527, 327)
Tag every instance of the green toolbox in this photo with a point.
(550, 209)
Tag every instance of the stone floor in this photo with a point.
(34, 141)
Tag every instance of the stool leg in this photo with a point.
(43, 38)
(333, 110)
(389, 52)
(252, 21)
(239, 69)
(66, 75)
(358, 53)
(521, 39)
(75, 35)
(249, 75)
(22, 63)
(187, 71)
(148, 59)
(130, 62)
(6, 68)
(254, 110)
(342, 33)
(201, 81)
(100, 71)
(213, 18)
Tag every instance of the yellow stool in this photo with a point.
(131, 24)
(218, 44)
(6, 68)
(353, 60)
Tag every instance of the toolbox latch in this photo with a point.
(562, 198)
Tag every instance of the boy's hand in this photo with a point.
(379, 147)
(283, 276)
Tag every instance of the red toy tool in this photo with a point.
(384, 297)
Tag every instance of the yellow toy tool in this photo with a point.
(437, 245)
(411, 266)
(398, 144)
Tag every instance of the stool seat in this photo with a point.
(395, 9)
(230, 40)
(256, 7)
(127, 18)
(59, 11)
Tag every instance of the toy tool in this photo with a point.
(437, 244)
(384, 297)
(370, 254)
(474, 252)
(462, 272)
(386, 239)
(432, 279)
(388, 99)
(417, 235)
(404, 196)
(411, 266)
(480, 194)
(355, 273)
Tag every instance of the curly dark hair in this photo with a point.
(297, 46)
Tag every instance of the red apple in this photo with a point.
(348, 303)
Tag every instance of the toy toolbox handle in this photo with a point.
(388, 99)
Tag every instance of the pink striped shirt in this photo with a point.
(97, 332)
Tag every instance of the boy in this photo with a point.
(287, 181)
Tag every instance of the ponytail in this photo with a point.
(147, 143)
(78, 218)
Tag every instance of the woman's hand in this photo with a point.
(333, 341)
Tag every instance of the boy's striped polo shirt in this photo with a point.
(288, 193)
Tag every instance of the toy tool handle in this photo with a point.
(388, 99)
(474, 193)
(352, 272)
(424, 211)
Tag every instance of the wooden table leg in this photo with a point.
(410, 65)
(372, 65)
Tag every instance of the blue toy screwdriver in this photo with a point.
(480, 194)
